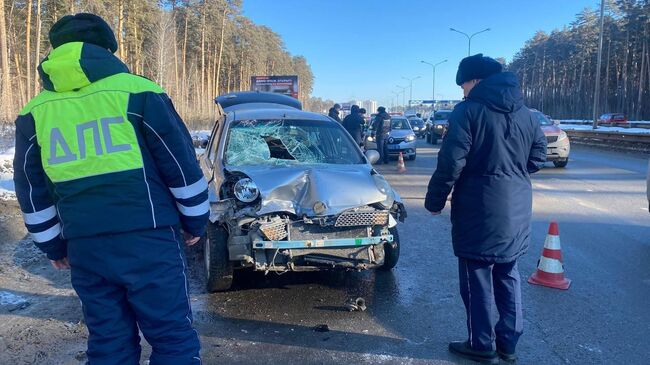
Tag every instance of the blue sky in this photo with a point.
(361, 49)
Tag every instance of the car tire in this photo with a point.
(561, 164)
(412, 157)
(219, 269)
(391, 251)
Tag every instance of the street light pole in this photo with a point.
(433, 87)
(403, 88)
(411, 87)
(600, 60)
(394, 99)
(469, 38)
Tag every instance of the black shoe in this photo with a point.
(463, 350)
(509, 358)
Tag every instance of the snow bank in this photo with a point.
(7, 190)
(584, 127)
(589, 121)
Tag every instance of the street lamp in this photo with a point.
(433, 87)
(411, 87)
(393, 101)
(403, 92)
(469, 38)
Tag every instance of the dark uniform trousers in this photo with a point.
(382, 148)
(135, 280)
(483, 284)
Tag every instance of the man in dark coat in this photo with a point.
(381, 128)
(492, 147)
(353, 123)
(334, 112)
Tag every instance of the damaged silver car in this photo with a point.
(291, 191)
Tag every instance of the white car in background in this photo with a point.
(559, 146)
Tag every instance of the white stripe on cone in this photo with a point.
(552, 242)
(551, 266)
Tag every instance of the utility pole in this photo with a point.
(411, 87)
(433, 86)
(600, 60)
(469, 38)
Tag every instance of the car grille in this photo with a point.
(303, 231)
(353, 219)
(551, 139)
(392, 140)
(274, 231)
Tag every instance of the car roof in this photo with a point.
(256, 100)
(278, 113)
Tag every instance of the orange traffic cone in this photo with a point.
(550, 269)
(401, 168)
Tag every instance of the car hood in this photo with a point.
(296, 189)
(400, 133)
(551, 130)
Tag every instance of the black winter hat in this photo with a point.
(381, 109)
(83, 27)
(476, 67)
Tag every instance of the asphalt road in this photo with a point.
(415, 310)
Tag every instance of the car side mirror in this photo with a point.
(372, 156)
(556, 122)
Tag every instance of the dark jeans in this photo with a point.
(483, 284)
(135, 280)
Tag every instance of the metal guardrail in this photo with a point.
(619, 138)
(621, 125)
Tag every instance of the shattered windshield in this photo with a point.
(289, 142)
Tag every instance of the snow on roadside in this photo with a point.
(589, 121)
(7, 189)
(584, 127)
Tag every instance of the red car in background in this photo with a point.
(612, 119)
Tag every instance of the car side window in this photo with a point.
(214, 140)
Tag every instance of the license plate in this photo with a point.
(393, 147)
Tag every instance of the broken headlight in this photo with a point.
(246, 191)
(385, 189)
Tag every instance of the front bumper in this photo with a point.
(406, 148)
(558, 151)
(325, 243)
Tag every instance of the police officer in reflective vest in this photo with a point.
(109, 187)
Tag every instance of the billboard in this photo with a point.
(287, 85)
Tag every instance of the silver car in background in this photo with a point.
(291, 191)
(400, 139)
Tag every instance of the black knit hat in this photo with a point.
(381, 109)
(476, 67)
(83, 27)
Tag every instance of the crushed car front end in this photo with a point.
(291, 191)
(308, 218)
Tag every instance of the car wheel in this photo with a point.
(412, 157)
(391, 251)
(561, 163)
(218, 267)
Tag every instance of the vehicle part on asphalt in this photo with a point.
(356, 304)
